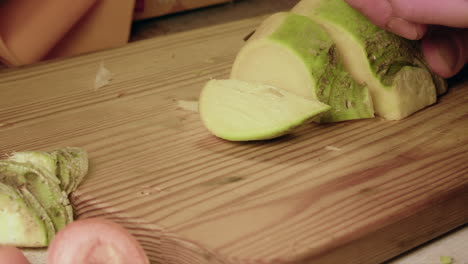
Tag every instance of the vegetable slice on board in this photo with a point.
(242, 111)
(20, 225)
(41, 160)
(95, 240)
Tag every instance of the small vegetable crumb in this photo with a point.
(446, 260)
(103, 77)
(209, 60)
(332, 148)
(188, 105)
(145, 193)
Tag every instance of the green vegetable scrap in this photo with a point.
(446, 260)
(34, 189)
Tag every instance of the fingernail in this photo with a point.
(405, 29)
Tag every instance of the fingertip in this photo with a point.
(437, 62)
(12, 255)
(444, 52)
(356, 3)
(421, 30)
(406, 29)
(378, 12)
(451, 13)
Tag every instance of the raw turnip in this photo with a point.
(392, 67)
(292, 52)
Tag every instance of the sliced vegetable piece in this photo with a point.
(48, 194)
(20, 225)
(393, 68)
(66, 166)
(292, 52)
(12, 255)
(241, 111)
(40, 211)
(47, 162)
(95, 240)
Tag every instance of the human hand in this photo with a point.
(85, 241)
(442, 26)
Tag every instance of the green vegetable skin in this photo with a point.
(19, 224)
(73, 166)
(66, 166)
(446, 260)
(32, 176)
(398, 78)
(48, 194)
(292, 52)
(242, 111)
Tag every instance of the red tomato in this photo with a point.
(12, 255)
(95, 241)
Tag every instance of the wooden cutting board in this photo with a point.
(352, 192)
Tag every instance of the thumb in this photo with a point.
(446, 50)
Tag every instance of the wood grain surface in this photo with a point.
(354, 192)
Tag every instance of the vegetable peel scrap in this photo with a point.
(332, 148)
(446, 260)
(34, 189)
(188, 105)
(103, 77)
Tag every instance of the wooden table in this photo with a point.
(158, 172)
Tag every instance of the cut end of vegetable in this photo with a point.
(241, 111)
(414, 90)
(258, 60)
(281, 54)
(19, 224)
(295, 53)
